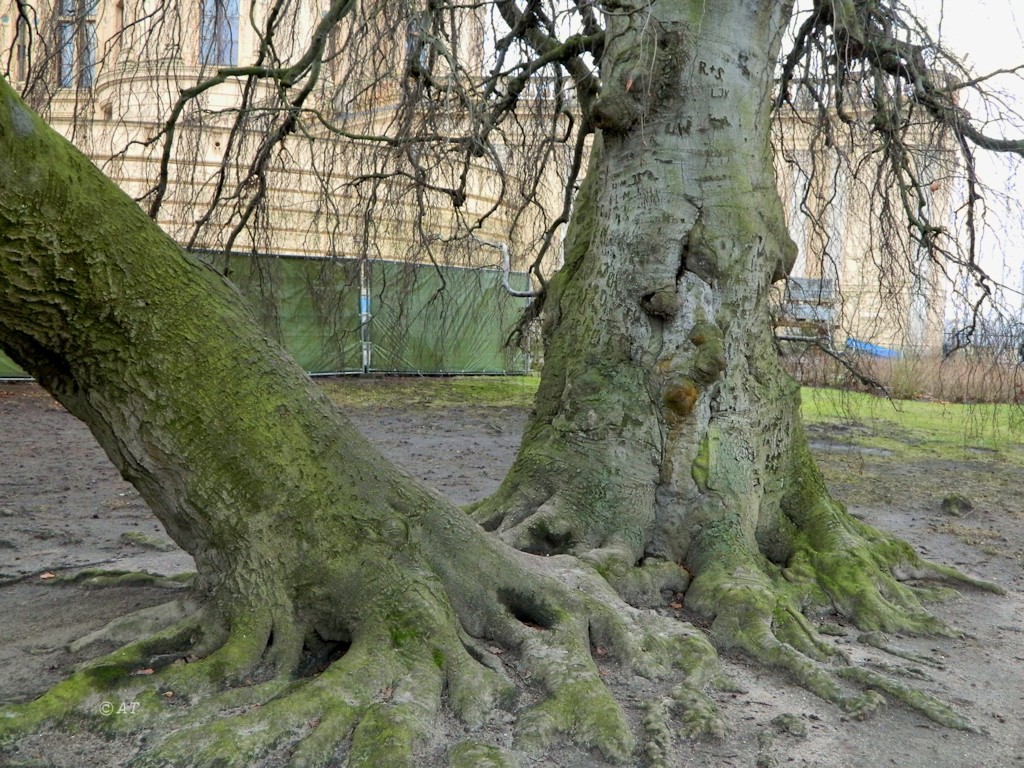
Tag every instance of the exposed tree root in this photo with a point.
(834, 565)
(864, 575)
(137, 625)
(642, 584)
(558, 635)
(567, 495)
(882, 643)
(840, 566)
(84, 691)
(592, 620)
(99, 577)
(929, 706)
(263, 680)
(379, 697)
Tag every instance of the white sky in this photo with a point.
(989, 35)
(986, 32)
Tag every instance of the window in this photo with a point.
(21, 61)
(76, 43)
(119, 30)
(218, 32)
(417, 50)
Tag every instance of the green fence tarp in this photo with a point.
(310, 306)
(428, 319)
(8, 370)
(424, 319)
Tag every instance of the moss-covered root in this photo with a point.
(935, 710)
(688, 707)
(378, 700)
(136, 626)
(643, 585)
(85, 691)
(864, 574)
(374, 703)
(148, 671)
(564, 632)
(98, 577)
(568, 650)
(568, 500)
(569, 641)
(759, 615)
(470, 754)
(858, 571)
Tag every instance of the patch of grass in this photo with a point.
(916, 429)
(432, 391)
(967, 376)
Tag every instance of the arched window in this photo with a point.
(22, 38)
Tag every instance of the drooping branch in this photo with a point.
(527, 25)
(873, 71)
(307, 66)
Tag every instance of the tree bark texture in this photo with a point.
(664, 422)
(308, 543)
(665, 432)
(665, 445)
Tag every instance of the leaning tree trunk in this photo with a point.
(309, 545)
(665, 432)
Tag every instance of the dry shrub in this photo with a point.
(966, 376)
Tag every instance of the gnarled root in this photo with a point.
(566, 496)
(841, 566)
(588, 624)
(85, 691)
(555, 629)
(377, 700)
(137, 625)
(416, 635)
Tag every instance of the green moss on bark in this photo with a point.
(470, 754)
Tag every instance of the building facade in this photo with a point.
(107, 73)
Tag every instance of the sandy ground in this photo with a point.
(63, 507)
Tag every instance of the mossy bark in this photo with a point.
(308, 544)
(666, 445)
(663, 414)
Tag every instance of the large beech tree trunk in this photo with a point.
(665, 432)
(664, 425)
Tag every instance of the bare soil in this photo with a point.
(64, 508)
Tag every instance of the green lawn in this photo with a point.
(913, 429)
(433, 391)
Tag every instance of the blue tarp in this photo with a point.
(864, 347)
